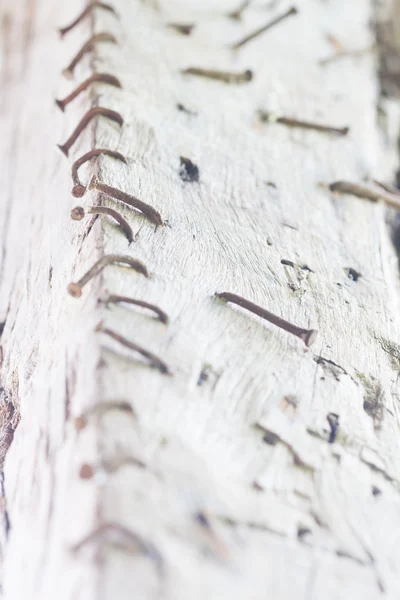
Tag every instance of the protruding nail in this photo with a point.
(114, 299)
(257, 32)
(95, 4)
(122, 538)
(361, 191)
(93, 112)
(307, 335)
(86, 471)
(100, 409)
(144, 208)
(154, 361)
(225, 76)
(78, 213)
(95, 78)
(75, 289)
(79, 189)
(271, 118)
(88, 47)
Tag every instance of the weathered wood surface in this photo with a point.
(241, 495)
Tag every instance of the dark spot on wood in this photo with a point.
(182, 29)
(208, 375)
(373, 406)
(271, 184)
(302, 532)
(256, 486)
(204, 375)
(352, 274)
(236, 15)
(376, 491)
(306, 268)
(330, 367)
(188, 171)
(183, 108)
(333, 420)
(287, 263)
(202, 519)
(271, 438)
(2, 325)
(289, 404)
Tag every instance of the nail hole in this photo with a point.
(202, 519)
(182, 29)
(333, 420)
(188, 171)
(287, 263)
(271, 438)
(204, 375)
(256, 486)
(376, 491)
(183, 108)
(302, 532)
(352, 274)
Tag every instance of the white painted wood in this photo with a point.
(217, 512)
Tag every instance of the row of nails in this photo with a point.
(75, 290)
(78, 213)
(78, 190)
(227, 77)
(184, 29)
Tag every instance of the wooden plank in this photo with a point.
(250, 485)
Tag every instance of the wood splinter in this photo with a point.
(153, 360)
(68, 72)
(361, 191)
(78, 213)
(307, 335)
(96, 78)
(149, 212)
(114, 299)
(79, 189)
(75, 289)
(95, 4)
(267, 117)
(225, 76)
(93, 112)
(292, 11)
